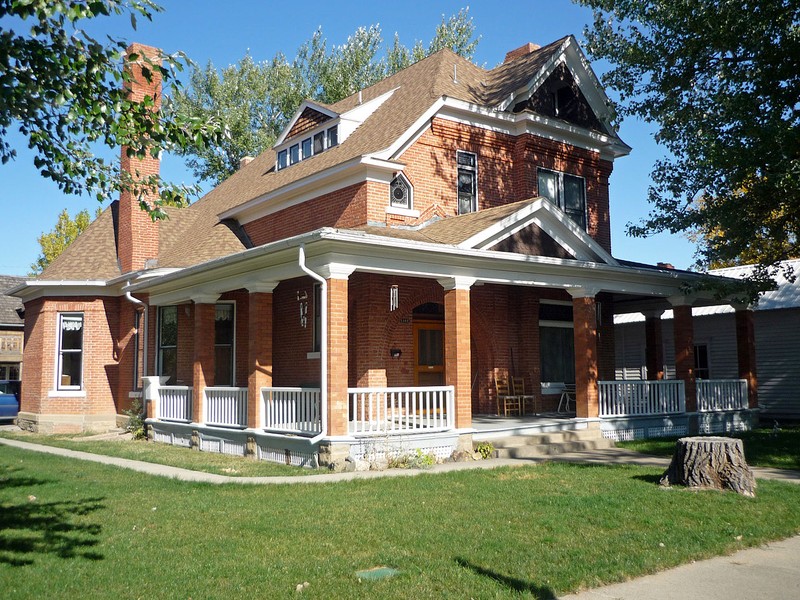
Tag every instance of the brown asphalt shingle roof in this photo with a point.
(195, 234)
(452, 230)
(9, 304)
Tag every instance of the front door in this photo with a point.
(428, 353)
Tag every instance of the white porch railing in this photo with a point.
(225, 406)
(721, 394)
(639, 398)
(174, 403)
(401, 409)
(291, 410)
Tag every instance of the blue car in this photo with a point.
(9, 399)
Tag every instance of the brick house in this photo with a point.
(369, 278)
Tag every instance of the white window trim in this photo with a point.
(159, 345)
(410, 189)
(473, 169)
(69, 390)
(233, 342)
(561, 201)
(403, 212)
(308, 136)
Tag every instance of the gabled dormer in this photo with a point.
(557, 84)
(315, 128)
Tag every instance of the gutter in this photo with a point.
(138, 302)
(323, 344)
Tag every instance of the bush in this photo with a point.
(135, 420)
(485, 449)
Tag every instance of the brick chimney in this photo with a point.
(664, 265)
(137, 236)
(521, 51)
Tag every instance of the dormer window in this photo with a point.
(307, 147)
(400, 192)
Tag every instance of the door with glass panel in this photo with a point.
(428, 353)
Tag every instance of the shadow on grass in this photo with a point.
(33, 527)
(518, 585)
(656, 479)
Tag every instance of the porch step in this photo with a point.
(549, 444)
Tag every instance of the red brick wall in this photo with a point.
(294, 342)
(343, 208)
(101, 378)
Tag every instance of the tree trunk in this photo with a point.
(710, 462)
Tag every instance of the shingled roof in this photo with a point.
(9, 304)
(196, 234)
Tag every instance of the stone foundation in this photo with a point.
(53, 424)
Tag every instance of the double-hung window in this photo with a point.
(168, 342)
(70, 351)
(467, 182)
(224, 341)
(568, 192)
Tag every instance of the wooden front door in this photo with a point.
(429, 353)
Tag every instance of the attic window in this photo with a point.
(308, 147)
(568, 192)
(400, 192)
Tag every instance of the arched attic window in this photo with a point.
(401, 194)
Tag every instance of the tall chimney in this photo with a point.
(137, 237)
(521, 51)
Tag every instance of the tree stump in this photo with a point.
(710, 463)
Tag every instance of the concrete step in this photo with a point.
(549, 444)
(538, 450)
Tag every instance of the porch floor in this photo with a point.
(491, 426)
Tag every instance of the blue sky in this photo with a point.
(223, 31)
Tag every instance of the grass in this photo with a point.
(77, 529)
(762, 447)
(174, 456)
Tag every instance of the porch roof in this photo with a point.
(336, 250)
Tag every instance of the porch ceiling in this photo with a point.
(346, 250)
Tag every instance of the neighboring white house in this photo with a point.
(777, 333)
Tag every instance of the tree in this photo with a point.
(255, 100)
(61, 236)
(721, 79)
(64, 91)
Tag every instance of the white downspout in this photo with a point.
(144, 338)
(323, 344)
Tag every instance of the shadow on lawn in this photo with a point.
(518, 585)
(32, 527)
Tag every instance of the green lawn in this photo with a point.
(174, 456)
(762, 447)
(72, 529)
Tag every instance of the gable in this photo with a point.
(308, 120)
(534, 241)
(561, 97)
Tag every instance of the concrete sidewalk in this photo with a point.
(771, 572)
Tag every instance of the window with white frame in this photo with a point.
(400, 192)
(70, 351)
(168, 342)
(467, 182)
(307, 147)
(566, 191)
(224, 343)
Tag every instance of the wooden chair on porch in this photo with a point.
(526, 400)
(506, 398)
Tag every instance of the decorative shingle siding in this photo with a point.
(307, 121)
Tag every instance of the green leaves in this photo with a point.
(62, 89)
(61, 236)
(722, 81)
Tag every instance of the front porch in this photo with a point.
(393, 421)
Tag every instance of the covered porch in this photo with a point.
(344, 341)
